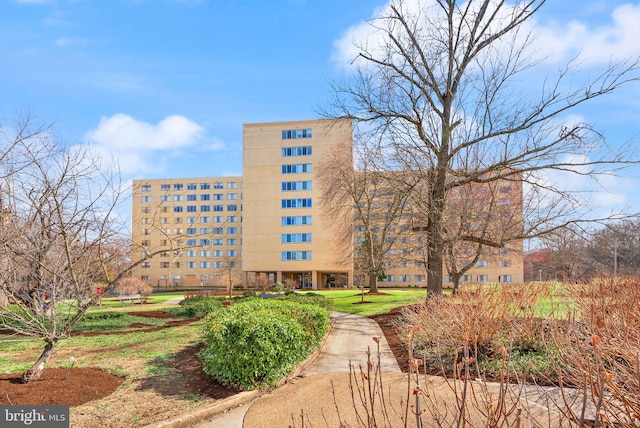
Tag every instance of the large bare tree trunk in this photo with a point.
(373, 283)
(35, 371)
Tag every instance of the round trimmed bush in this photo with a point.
(257, 342)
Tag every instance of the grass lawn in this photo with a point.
(350, 300)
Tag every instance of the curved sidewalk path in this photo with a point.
(348, 340)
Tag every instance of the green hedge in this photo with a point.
(194, 307)
(258, 342)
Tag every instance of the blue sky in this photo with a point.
(167, 84)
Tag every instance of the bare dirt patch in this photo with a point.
(58, 387)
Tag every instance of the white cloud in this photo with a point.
(143, 147)
(615, 39)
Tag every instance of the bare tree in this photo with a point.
(440, 98)
(363, 205)
(57, 239)
(479, 218)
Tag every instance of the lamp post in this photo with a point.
(540, 275)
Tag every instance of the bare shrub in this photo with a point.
(485, 319)
(131, 285)
(599, 353)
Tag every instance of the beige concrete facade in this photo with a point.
(190, 228)
(268, 225)
(284, 233)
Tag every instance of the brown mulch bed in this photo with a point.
(83, 384)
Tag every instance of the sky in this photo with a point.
(166, 85)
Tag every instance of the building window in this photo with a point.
(232, 219)
(482, 263)
(293, 134)
(296, 151)
(178, 187)
(296, 185)
(146, 210)
(205, 186)
(205, 253)
(232, 230)
(146, 265)
(217, 241)
(191, 197)
(164, 265)
(217, 265)
(191, 208)
(296, 168)
(192, 186)
(505, 278)
(483, 278)
(191, 231)
(232, 253)
(232, 208)
(146, 187)
(232, 196)
(165, 187)
(191, 265)
(296, 203)
(218, 185)
(205, 219)
(205, 265)
(217, 196)
(146, 199)
(419, 278)
(404, 278)
(217, 219)
(191, 242)
(232, 241)
(232, 185)
(505, 263)
(218, 208)
(205, 208)
(165, 198)
(295, 237)
(177, 209)
(505, 250)
(191, 220)
(205, 242)
(390, 278)
(467, 278)
(296, 220)
(205, 197)
(296, 255)
(217, 231)
(144, 277)
(205, 230)
(217, 253)
(190, 253)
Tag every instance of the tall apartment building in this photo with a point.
(284, 233)
(268, 224)
(192, 228)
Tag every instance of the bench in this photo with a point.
(132, 298)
